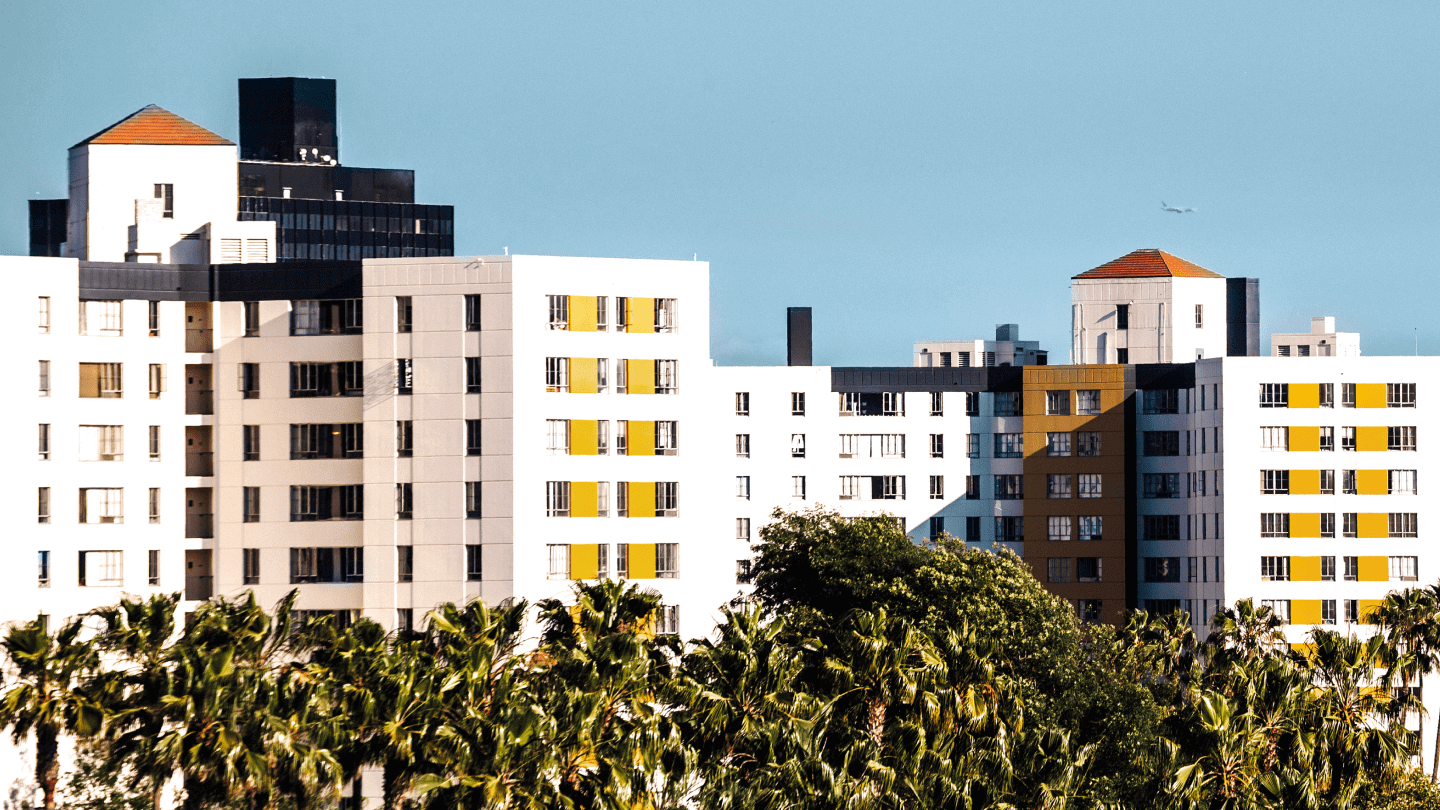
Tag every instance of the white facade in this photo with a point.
(1005, 350)
(1170, 319)
(1321, 341)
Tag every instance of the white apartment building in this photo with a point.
(1148, 307)
(1321, 341)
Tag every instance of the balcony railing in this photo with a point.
(199, 525)
(200, 463)
(199, 340)
(199, 401)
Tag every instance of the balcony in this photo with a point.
(200, 463)
(199, 525)
(200, 340)
(199, 401)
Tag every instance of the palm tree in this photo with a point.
(1407, 621)
(50, 696)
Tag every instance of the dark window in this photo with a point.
(972, 529)
(249, 380)
(1122, 316)
(1162, 527)
(404, 501)
(166, 193)
(472, 437)
(1162, 442)
(1162, 569)
(404, 376)
(405, 438)
(472, 563)
(472, 375)
(251, 441)
(405, 563)
(250, 562)
(472, 313)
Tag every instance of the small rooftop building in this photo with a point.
(1007, 349)
(1321, 341)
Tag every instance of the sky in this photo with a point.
(913, 171)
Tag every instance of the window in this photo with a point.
(405, 375)
(1275, 438)
(250, 380)
(338, 317)
(343, 564)
(889, 487)
(1162, 485)
(557, 374)
(1400, 395)
(1057, 403)
(1122, 356)
(102, 569)
(157, 380)
(101, 318)
(1057, 569)
(667, 560)
(44, 378)
(602, 313)
(1327, 609)
(937, 487)
(165, 192)
(557, 498)
(1327, 482)
(1089, 610)
(1089, 485)
(1327, 439)
(742, 572)
(473, 501)
(100, 380)
(1327, 395)
(1402, 482)
(405, 438)
(1010, 529)
(1279, 607)
(1165, 400)
(1057, 486)
(1274, 482)
(44, 443)
(742, 403)
(1162, 569)
(1122, 316)
(1087, 403)
(1275, 569)
(44, 315)
(473, 570)
(405, 563)
(153, 567)
(667, 620)
(1274, 395)
(667, 376)
(251, 513)
(1092, 527)
(1400, 438)
(622, 437)
(1007, 404)
(472, 437)
(1327, 569)
(972, 445)
(1088, 569)
(405, 500)
(1347, 438)
(797, 445)
(742, 528)
(1162, 442)
(972, 487)
(972, 403)
(251, 317)
(559, 559)
(1327, 524)
(1404, 569)
(1162, 527)
(937, 445)
(1057, 445)
(250, 566)
(153, 311)
(892, 403)
(937, 402)
(1009, 487)
(557, 437)
(102, 505)
(1057, 528)
(742, 445)
(250, 442)
(1009, 445)
(797, 403)
(1199, 315)
(472, 375)
(1283, 351)
(1404, 524)
(472, 313)
(797, 486)
(1275, 524)
(154, 506)
(1087, 443)
(43, 511)
(404, 314)
(559, 311)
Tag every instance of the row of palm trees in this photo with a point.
(588, 708)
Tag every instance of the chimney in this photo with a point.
(797, 336)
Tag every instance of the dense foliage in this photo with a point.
(864, 672)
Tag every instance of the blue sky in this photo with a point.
(912, 171)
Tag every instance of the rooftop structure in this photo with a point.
(1321, 341)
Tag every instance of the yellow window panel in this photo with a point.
(584, 559)
(641, 502)
(1305, 524)
(1367, 607)
(1370, 395)
(1302, 395)
(639, 376)
(584, 437)
(1372, 439)
(1372, 482)
(1304, 482)
(1372, 524)
(583, 503)
(641, 438)
(642, 560)
(1302, 611)
(582, 313)
(1374, 569)
(1304, 438)
(640, 315)
(582, 375)
(1302, 569)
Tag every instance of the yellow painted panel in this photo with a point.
(642, 560)
(1302, 569)
(1305, 524)
(1372, 524)
(1374, 569)
(582, 313)
(1367, 608)
(1370, 395)
(640, 376)
(641, 501)
(583, 503)
(1303, 648)
(1302, 611)
(1304, 482)
(1302, 395)
(584, 560)
(1304, 438)
(584, 437)
(1372, 482)
(1372, 439)
(639, 314)
(640, 437)
(582, 375)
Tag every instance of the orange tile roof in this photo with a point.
(156, 126)
(1149, 263)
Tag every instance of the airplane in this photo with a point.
(1173, 209)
